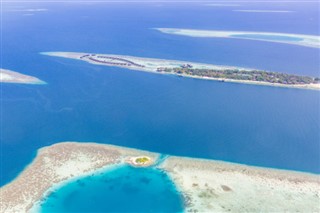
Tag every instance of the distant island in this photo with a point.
(245, 75)
(196, 70)
(204, 185)
(294, 39)
(8, 76)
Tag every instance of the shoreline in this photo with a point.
(200, 181)
(151, 65)
(223, 80)
(13, 77)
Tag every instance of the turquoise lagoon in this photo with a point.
(122, 189)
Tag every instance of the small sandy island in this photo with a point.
(140, 161)
(205, 185)
(8, 76)
(196, 70)
(294, 39)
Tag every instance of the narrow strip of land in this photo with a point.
(196, 70)
(8, 76)
(246, 75)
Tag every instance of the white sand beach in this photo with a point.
(9, 76)
(149, 64)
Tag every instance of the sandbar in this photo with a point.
(159, 66)
(205, 185)
(9, 76)
(286, 38)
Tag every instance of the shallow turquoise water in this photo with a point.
(124, 189)
(268, 37)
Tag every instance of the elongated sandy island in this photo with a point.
(206, 185)
(295, 39)
(8, 76)
(195, 70)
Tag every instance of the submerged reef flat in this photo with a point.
(295, 39)
(217, 186)
(196, 70)
(8, 76)
(57, 164)
(205, 185)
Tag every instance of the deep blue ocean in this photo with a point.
(249, 124)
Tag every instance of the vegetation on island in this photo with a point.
(142, 160)
(244, 75)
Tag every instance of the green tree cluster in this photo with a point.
(248, 75)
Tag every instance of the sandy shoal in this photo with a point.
(216, 186)
(306, 40)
